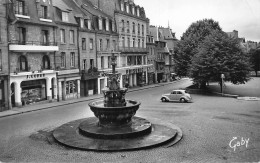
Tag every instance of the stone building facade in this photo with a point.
(4, 59)
(67, 58)
(32, 51)
(62, 49)
(165, 42)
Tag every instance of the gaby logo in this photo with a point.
(235, 142)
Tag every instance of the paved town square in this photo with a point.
(215, 129)
(129, 81)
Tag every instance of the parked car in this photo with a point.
(177, 95)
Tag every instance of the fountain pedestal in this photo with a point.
(114, 127)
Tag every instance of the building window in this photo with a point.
(102, 62)
(1, 68)
(44, 12)
(46, 62)
(133, 27)
(45, 35)
(143, 43)
(91, 44)
(138, 29)
(104, 24)
(63, 59)
(21, 35)
(91, 63)
(123, 25)
(100, 45)
(139, 60)
(84, 64)
(122, 6)
(81, 23)
(133, 42)
(83, 43)
(114, 44)
(62, 35)
(133, 10)
(110, 25)
(127, 8)
(142, 29)
(23, 63)
(128, 42)
(109, 61)
(65, 16)
(19, 7)
(127, 26)
(108, 44)
(0, 33)
(144, 60)
(129, 60)
(139, 43)
(123, 41)
(72, 37)
(72, 59)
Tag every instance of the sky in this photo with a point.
(240, 15)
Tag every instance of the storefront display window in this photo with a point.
(71, 87)
(33, 91)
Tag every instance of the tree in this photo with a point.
(187, 47)
(219, 54)
(254, 55)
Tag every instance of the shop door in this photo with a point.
(12, 95)
(102, 84)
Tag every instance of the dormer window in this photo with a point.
(65, 16)
(133, 10)
(100, 23)
(107, 24)
(127, 8)
(81, 23)
(138, 12)
(122, 6)
(89, 24)
(104, 24)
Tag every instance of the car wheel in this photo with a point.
(163, 99)
(182, 100)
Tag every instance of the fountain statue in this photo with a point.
(115, 126)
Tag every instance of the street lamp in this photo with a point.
(222, 82)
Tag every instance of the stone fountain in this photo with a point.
(114, 126)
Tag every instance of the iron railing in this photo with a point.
(39, 43)
(132, 49)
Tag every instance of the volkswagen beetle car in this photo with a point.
(177, 95)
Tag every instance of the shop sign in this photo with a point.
(34, 76)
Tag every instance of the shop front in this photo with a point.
(28, 88)
(3, 93)
(68, 84)
(89, 83)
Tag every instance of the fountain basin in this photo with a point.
(114, 116)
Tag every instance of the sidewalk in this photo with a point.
(35, 107)
(249, 89)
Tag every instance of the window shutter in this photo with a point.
(14, 5)
(39, 10)
(49, 12)
(26, 8)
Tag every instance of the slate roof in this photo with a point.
(89, 7)
(61, 5)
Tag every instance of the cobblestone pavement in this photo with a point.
(215, 129)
